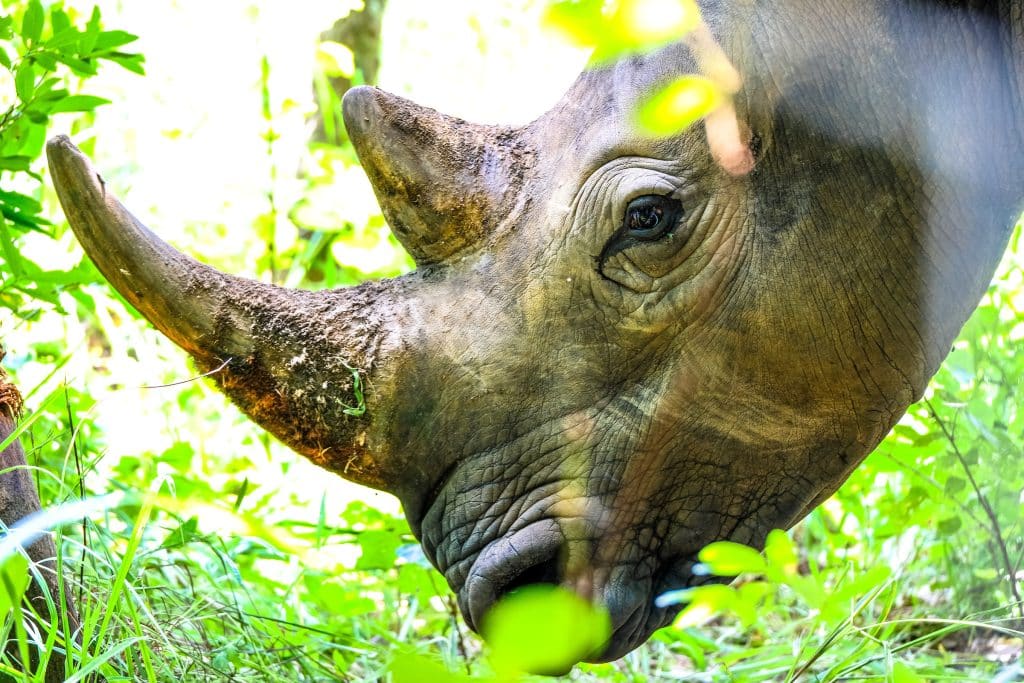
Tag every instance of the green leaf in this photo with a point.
(749, 599)
(380, 548)
(47, 97)
(20, 201)
(10, 250)
(77, 103)
(186, 532)
(80, 67)
(901, 673)
(25, 81)
(623, 26)
(809, 588)
(642, 25)
(950, 525)
(14, 578)
(32, 22)
(705, 602)
(179, 456)
(986, 573)
(415, 668)
(15, 163)
(127, 61)
(780, 552)
(47, 60)
(25, 220)
(725, 558)
(580, 21)
(67, 37)
(240, 494)
(543, 629)
(59, 21)
(108, 40)
(36, 116)
(955, 485)
(91, 34)
(414, 580)
(339, 596)
(678, 105)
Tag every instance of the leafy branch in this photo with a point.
(48, 51)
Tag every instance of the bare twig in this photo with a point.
(997, 531)
(190, 379)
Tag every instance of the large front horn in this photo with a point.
(193, 304)
(299, 363)
(442, 183)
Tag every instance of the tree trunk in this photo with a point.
(19, 499)
(359, 31)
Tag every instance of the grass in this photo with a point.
(161, 604)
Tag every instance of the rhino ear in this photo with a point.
(443, 183)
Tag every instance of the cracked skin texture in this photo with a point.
(546, 413)
(301, 388)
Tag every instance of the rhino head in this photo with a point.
(613, 350)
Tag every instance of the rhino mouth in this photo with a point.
(536, 554)
(491, 529)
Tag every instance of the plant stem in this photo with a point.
(1004, 554)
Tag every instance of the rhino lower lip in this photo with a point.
(635, 613)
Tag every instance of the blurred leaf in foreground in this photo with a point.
(14, 574)
(544, 629)
(623, 27)
(415, 668)
(678, 105)
(614, 29)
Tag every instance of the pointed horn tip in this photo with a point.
(359, 108)
(60, 148)
(366, 108)
(70, 166)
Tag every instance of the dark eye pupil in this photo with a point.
(645, 218)
(651, 217)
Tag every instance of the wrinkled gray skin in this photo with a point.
(544, 415)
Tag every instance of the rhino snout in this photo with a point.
(540, 554)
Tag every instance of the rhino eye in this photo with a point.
(651, 217)
(651, 235)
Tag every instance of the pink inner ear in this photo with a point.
(727, 147)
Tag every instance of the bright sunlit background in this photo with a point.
(258, 561)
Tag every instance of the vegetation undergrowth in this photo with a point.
(202, 556)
